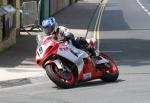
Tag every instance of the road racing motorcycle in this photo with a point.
(67, 65)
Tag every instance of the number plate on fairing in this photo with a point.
(42, 49)
(87, 76)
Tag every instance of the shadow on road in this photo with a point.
(113, 20)
(97, 83)
(24, 50)
(92, 84)
(133, 52)
(76, 16)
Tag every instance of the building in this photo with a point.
(9, 37)
(10, 24)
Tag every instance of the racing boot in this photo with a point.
(93, 54)
(98, 61)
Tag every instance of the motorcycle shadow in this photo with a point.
(92, 83)
(97, 83)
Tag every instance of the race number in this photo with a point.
(40, 51)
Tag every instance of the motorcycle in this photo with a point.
(67, 65)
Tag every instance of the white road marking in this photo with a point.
(142, 6)
(146, 10)
(116, 51)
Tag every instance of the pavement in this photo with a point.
(17, 64)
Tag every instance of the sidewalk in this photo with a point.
(18, 61)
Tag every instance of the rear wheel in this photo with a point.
(66, 78)
(110, 70)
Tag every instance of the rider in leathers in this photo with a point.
(50, 27)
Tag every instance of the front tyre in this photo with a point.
(63, 79)
(110, 71)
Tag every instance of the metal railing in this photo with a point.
(30, 15)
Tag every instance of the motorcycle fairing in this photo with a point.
(73, 54)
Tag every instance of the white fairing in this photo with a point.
(103, 60)
(73, 54)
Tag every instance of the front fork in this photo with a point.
(59, 64)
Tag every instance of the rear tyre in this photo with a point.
(110, 71)
(63, 79)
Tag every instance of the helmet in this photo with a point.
(49, 25)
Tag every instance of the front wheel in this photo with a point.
(110, 71)
(66, 78)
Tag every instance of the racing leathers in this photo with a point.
(79, 42)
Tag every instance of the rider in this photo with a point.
(50, 27)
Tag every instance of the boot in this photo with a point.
(93, 53)
(94, 56)
(91, 50)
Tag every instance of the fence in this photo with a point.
(29, 14)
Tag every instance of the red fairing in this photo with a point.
(52, 49)
(89, 68)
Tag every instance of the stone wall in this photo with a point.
(11, 40)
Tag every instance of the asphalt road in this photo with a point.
(125, 36)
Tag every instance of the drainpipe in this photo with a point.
(49, 8)
(42, 10)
